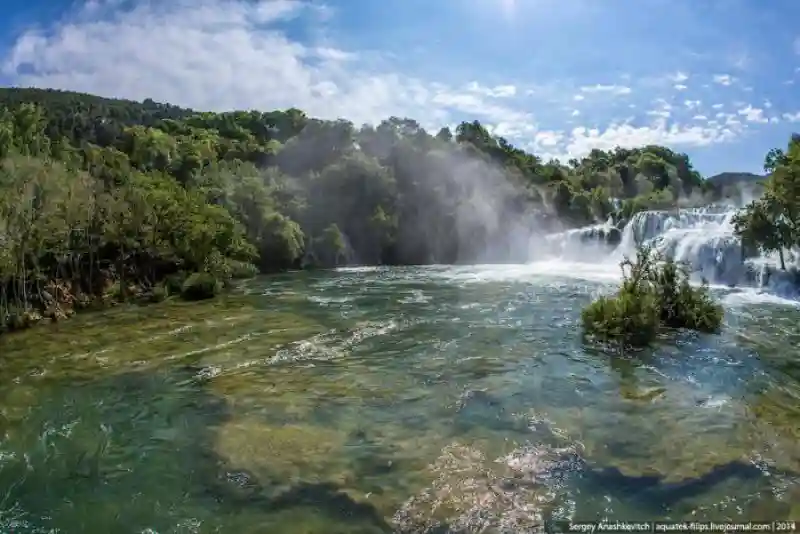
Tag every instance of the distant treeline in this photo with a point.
(95, 191)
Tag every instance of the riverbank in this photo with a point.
(58, 300)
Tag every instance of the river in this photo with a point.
(394, 400)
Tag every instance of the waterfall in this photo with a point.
(702, 238)
(577, 243)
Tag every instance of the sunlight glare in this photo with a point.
(508, 7)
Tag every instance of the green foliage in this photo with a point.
(654, 295)
(681, 304)
(629, 318)
(115, 292)
(772, 223)
(329, 249)
(200, 286)
(158, 293)
(174, 282)
(240, 270)
(96, 191)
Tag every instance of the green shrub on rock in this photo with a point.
(200, 286)
(681, 304)
(630, 317)
(654, 295)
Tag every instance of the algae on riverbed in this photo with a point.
(332, 403)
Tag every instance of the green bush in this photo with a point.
(158, 293)
(174, 282)
(654, 295)
(200, 286)
(240, 270)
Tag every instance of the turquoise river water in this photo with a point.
(438, 399)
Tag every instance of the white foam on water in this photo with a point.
(749, 296)
(359, 269)
(602, 271)
(329, 300)
(535, 271)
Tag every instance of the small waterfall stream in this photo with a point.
(702, 238)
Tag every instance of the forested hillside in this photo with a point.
(94, 190)
(738, 187)
(733, 178)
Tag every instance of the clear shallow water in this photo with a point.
(381, 400)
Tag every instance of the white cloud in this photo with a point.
(582, 140)
(333, 54)
(612, 89)
(215, 55)
(718, 106)
(792, 117)
(498, 91)
(752, 114)
(767, 104)
(742, 61)
(723, 79)
(700, 118)
(663, 105)
(471, 104)
(548, 139)
(501, 91)
(659, 113)
(680, 87)
(509, 130)
(692, 104)
(679, 77)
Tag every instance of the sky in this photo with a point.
(716, 79)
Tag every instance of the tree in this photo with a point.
(98, 192)
(772, 223)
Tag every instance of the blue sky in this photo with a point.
(717, 79)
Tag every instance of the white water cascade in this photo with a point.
(579, 243)
(702, 238)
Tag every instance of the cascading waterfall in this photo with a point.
(702, 238)
(577, 243)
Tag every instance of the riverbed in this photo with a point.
(435, 399)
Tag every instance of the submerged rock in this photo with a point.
(471, 494)
(280, 452)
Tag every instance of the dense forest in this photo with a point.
(98, 193)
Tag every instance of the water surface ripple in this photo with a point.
(438, 399)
